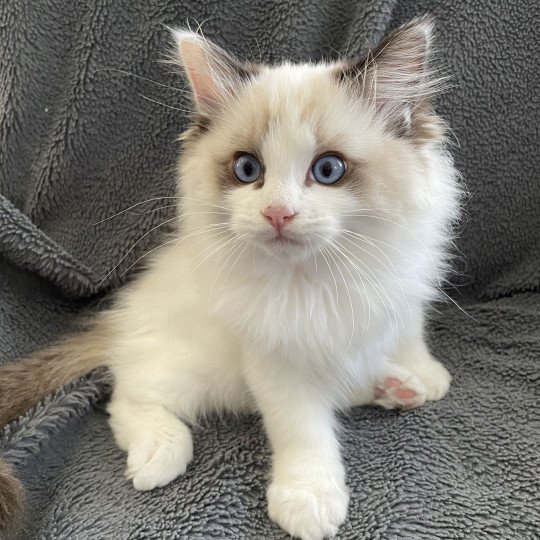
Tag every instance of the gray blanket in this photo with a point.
(79, 143)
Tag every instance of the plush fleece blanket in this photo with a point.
(80, 143)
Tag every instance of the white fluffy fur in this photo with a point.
(226, 319)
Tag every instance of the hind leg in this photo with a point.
(410, 377)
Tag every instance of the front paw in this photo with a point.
(310, 509)
(158, 457)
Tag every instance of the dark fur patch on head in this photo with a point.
(12, 502)
(245, 71)
(398, 80)
(354, 179)
(426, 126)
(200, 125)
(412, 39)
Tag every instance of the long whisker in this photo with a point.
(367, 314)
(367, 311)
(184, 198)
(124, 72)
(245, 244)
(218, 248)
(457, 305)
(370, 240)
(226, 236)
(133, 246)
(211, 227)
(331, 272)
(356, 214)
(314, 254)
(375, 212)
(401, 226)
(361, 275)
(230, 252)
(350, 300)
(165, 105)
(129, 208)
(394, 272)
(374, 282)
(383, 209)
(223, 255)
(158, 199)
(153, 210)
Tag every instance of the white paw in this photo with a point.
(435, 378)
(159, 457)
(399, 388)
(411, 386)
(308, 509)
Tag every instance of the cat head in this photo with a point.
(290, 157)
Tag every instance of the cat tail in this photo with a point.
(12, 501)
(25, 382)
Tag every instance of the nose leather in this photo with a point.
(278, 216)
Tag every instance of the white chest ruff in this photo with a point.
(307, 320)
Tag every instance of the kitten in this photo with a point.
(316, 209)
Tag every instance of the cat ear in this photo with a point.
(397, 78)
(214, 74)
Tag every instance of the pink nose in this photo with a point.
(278, 216)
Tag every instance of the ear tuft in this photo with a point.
(214, 74)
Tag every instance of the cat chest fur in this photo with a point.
(299, 312)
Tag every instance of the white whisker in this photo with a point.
(331, 272)
(350, 300)
(374, 282)
(179, 240)
(165, 105)
(415, 236)
(392, 272)
(217, 249)
(246, 244)
(133, 246)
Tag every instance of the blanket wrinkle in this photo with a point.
(78, 144)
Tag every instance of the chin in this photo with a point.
(286, 249)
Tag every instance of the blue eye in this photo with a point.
(328, 169)
(247, 168)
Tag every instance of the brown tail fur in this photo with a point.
(25, 382)
(11, 501)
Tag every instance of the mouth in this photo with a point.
(280, 240)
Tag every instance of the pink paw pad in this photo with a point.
(393, 393)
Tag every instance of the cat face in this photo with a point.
(296, 156)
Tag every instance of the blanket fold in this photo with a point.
(29, 248)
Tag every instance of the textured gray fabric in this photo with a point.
(78, 144)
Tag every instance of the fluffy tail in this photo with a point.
(11, 501)
(25, 382)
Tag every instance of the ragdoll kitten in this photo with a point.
(316, 206)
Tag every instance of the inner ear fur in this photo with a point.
(398, 79)
(214, 74)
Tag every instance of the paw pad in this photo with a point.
(393, 393)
